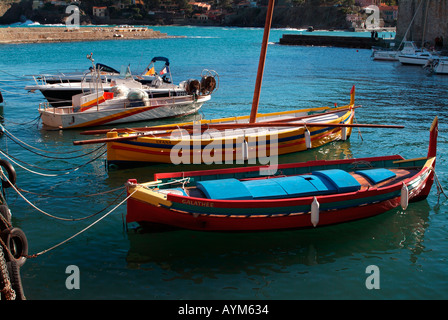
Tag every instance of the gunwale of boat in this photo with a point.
(401, 174)
(293, 115)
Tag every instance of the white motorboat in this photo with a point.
(103, 108)
(60, 94)
(411, 55)
(59, 90)
(107, 73)
(125, 103)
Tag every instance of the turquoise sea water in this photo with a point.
(410, 247)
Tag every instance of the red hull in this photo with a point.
(144, 212)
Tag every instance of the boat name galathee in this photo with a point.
(198, 203)
(226, 309)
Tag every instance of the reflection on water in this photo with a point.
(197, 255)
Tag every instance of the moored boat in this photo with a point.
(59, 94)
(107, 73)
(228, 139)
(297, 195)
(59, 89)
(125, 103)
(437, 65)
(102, 108)
(385, 54)
(411, 55)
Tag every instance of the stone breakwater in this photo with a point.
(62, 34)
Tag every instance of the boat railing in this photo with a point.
(46, 106)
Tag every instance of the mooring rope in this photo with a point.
(14, 93)
(20, 123)
(15, 76)
(359, 129)
(439, 188)
(67, 170)
(28, 147)
(70, 197)
(85, 229)
(48, 214)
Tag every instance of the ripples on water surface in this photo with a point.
(410, 247)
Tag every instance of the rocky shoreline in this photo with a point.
(63, 34)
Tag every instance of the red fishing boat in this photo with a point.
(297, 195)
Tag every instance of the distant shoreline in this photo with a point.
(44, 34)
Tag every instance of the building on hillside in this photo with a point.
(200, 17)
(100, 12)
(389, 13)
(201, 6)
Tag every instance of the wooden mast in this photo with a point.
(264, 47)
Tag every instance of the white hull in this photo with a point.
(121, 111)
(415, 60)
(385, 55)
(442, 67)
(411, 55)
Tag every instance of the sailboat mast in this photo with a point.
(264, 47)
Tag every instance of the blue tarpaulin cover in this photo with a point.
(377, 175)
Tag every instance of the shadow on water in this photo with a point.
(192, 254)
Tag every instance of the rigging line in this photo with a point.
(53, 216)
(68, 170)
(81, 196)
(54, 152)
(410, 24)
(86, 228)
